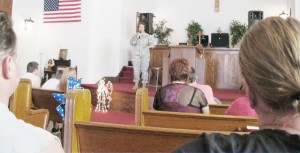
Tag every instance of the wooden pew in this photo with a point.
(81, 135)
(218, 108)
(21, 106)
(103, 137)
(181, 120)
(43, 98)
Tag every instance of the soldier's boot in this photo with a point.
(136, 85)
(144, 85)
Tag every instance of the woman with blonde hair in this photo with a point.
(69, 71)
(270, 63)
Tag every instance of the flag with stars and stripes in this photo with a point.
(58, 11)
(73, 83)
(61, 98)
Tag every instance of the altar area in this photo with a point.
(217, 67)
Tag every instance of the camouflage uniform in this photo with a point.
(141, 55)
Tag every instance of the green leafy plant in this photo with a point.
(237, 31)
(193, 30)
(162, 32)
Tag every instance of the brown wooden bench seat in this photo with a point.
(43, 98)
(21, 105)
(103, 137)
(181, 120)
(218, 108)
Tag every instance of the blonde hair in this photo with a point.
(69, 71)
(270, 62)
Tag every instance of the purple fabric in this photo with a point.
(176, 107)
(179, 98)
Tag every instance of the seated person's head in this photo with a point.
(9, 67)
(179, 70)
(193, 76)
(270, 63)
(69, 71)
(33, 67)
(58, 74)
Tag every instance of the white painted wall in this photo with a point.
(99, 45)
(297, 9)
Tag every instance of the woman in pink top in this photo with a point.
(241, 107)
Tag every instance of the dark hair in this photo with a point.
(179, 69)
(7, 35)
(31, 66)
(58, 74)
(141, 22)
(193, 75)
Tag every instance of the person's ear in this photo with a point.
(249, 93)
(6, 67)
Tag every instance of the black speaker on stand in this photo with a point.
(254, 17)
(147, 18)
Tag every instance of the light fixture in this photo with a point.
(28, 23)
(283, 15)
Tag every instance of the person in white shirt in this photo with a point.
(33, 74)
(52, 84)
(16, 136)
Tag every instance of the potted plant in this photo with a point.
(193, 30)
(162, 32)
(237, 31)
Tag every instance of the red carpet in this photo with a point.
(113, 117)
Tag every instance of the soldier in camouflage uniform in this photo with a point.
(141, 55)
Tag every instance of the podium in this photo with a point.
(181, 51)
(219, 68)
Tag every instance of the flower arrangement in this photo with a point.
(237, 31)
(162, 32)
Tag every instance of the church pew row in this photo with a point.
(182, 120)
(218, 108)
(103, 137)
(42, 98)
(82, 135)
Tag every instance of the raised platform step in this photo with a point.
(126, 80)
(127, 74)
(128, 68)
(123, 97)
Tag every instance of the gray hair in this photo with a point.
(7, 35)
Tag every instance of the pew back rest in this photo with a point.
(196, 121)
(21, 104)
(103, 137)
(218, 108)
(42, 98)
(78, 108)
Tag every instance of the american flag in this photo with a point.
(58, 11)
(61, 100)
